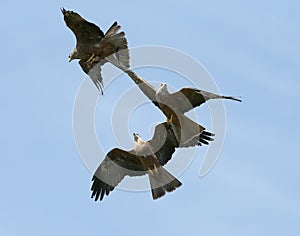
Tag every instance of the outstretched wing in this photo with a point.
(188, 98)
(85, 32)
(116, 165)
(163, 142)
(144, 86)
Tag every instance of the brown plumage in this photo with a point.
(176, 104)
(146, 158)
(93, 46)
(187, 132)
(186, 99)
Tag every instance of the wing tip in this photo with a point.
(64, 11)
(238, 99)
(100, 189)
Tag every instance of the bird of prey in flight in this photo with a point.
(175, 105)
(147, 157)
(93, 46)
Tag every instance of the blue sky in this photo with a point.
(251, 48)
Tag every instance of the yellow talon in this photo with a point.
(169, 121)
(91, 59)
(150, 171)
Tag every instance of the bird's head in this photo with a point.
(161, 92)
(136, 137)
(163, 88)
(73, 55)
(139, 143)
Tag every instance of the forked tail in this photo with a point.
(161, 181)
(121, 52)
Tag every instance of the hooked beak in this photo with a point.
(134, 137)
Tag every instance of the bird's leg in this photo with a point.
(91, 60)
(169, 121)
(150, 171)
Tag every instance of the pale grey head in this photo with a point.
(136, 137)
(139, 143)
(73, 55)
(162, 92)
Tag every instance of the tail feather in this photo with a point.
(121, 52)
(120, 58)
(161, 181)
(118, 39)
(121, 55)
(157, 192)
(113, 29)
